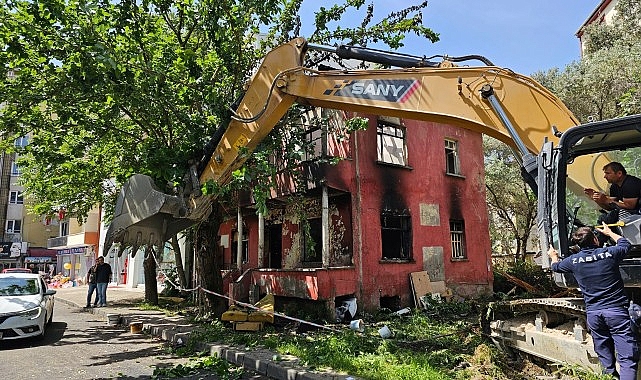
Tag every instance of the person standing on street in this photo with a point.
(597, 272)
(91, 281)
(103, 278)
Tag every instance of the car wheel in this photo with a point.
(50, 320)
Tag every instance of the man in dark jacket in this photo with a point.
(597, 272)
(91, 281)
(103, 278)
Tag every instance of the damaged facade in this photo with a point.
(408, 196)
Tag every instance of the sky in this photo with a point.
(524, 35)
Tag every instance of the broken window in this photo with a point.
(312, 240)
(457, 234)
(390, 144)
(452, 164)
(396, 236)
(245, 247)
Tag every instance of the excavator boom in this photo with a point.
(487, 99)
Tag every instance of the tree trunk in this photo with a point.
(151, 285)
(207, 270)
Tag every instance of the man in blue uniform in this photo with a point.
(597, 272)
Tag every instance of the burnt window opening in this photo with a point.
(245, 247)
(396, 236)
(275, 246)
(312, 240)
(391, 144)
(452, 163)
(457, 235)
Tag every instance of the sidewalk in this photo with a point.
(123, 301)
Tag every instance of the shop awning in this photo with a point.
(41, 252)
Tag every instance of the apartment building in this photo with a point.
(24, 236)
(56, 244)
(603, 13)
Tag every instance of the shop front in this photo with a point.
(43, 259)
(73, 263)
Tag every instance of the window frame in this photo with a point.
(245, 246)
(399, 235)
(15, 197)
(15, 169)
(384, 139)
(64, 228)
(21, 142)
(452, 157)
(457, 240)
(13, 229)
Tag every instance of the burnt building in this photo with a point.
(407, 196)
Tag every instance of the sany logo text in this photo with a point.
(391, 90)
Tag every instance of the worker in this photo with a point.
(596, 269)
(625, 191)
(623, 200)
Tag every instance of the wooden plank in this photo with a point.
(421, 285)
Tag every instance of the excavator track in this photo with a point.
(553, 329)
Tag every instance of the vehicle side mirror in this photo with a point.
(50, 292)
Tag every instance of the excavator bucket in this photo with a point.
(144, 215)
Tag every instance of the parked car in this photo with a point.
(26, 306)
(16, 270)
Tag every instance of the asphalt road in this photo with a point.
(80, 345)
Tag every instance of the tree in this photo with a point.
(106, 89)
(511, 203)
(604, 84)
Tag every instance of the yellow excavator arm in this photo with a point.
(491, 100)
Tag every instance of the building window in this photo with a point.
(64, 228)
(390, 144)
(312, 240)
(457, 234)
(14, 226)
(452, 164)
(15, 197)
(245, 247)
(15, 170)
(21, 142)
(396, 236)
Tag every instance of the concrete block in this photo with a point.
(217, 350)
(236, 357)
(277, 371)
(256, 363)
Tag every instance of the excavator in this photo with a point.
(559, 158)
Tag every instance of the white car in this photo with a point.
(26, 306)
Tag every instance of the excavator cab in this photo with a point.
(561, 211)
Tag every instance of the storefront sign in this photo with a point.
(72, 251)
(9, 250)
(30, 259)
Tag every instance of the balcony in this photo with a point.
(57, 242)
